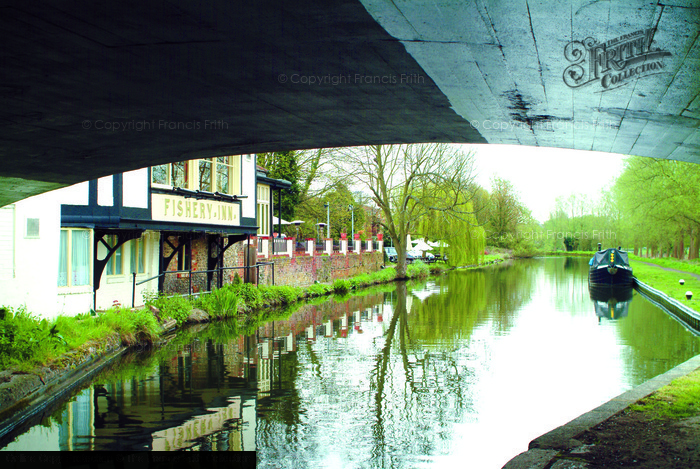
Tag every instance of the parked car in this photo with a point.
(393, 256)
(391, 253)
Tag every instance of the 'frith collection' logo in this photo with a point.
(613, 62)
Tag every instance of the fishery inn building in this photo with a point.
(86, 246)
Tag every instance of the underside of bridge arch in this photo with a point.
(96, 88)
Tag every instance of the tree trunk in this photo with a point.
(681, 246)
(694, 243)
(636, 251)
(400, 258)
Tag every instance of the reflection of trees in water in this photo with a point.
(508, 288)
(420, 391)
(472, 298)
(656, 341)
(569, 279)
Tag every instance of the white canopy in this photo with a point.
(276, 221)
(437, 244)
(421, 245)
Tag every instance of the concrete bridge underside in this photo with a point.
(92, 88)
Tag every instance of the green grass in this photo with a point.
(27, 341)
(667, 282)
(679, 399)
(692, 266)
(568, 253)
(494, 257)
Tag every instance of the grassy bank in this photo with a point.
(678, 400)
(667, 282)
(566, 253)
(27, 341)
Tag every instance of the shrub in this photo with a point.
(221, 302)
(20, 336)
(319, 289)
(341, 286)
(417, 269)
(176, 307)
(132, 326)
(250, 294)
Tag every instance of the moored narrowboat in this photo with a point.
(610, 267)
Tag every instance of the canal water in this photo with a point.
(460, 370)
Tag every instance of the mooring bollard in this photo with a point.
(681, 281)
(689, 294)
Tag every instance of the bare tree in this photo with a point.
(408, 182)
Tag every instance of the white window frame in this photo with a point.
(69, 267)
(169, 184)
(134, 247)
(111, 264)
(263, 209)
(234, 173)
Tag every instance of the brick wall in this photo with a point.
(234, 256)
(302, 271)
(298, 270)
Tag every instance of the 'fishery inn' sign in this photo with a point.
(615, 62)
(188, 210)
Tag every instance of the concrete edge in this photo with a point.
(38, 398)
(688, 317)
(543, 450)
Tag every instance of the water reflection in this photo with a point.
(465, 368)
(611, 302)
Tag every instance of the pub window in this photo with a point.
(74, 257)
(205, 175)
(138, 256)
(161, 174)
(223, 175)
(115, 264)
(179, 174)
(220, 174)
(184, 258)
(263, 210)
(171, 174)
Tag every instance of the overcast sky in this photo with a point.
(541, 174)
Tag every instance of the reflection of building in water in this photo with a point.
(183, 436)
(270, 353)
(179, 404)
(77, 429)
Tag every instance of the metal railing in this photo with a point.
(190, 272)
(279, 245)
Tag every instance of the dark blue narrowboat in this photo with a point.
(610, 267)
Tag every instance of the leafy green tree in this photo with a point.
(505, 213)
(660, 203)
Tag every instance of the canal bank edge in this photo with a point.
(546, 449)
(24, 396)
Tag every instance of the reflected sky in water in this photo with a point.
(464, 369)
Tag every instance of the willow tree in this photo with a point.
(411, 182)
(463, 238)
